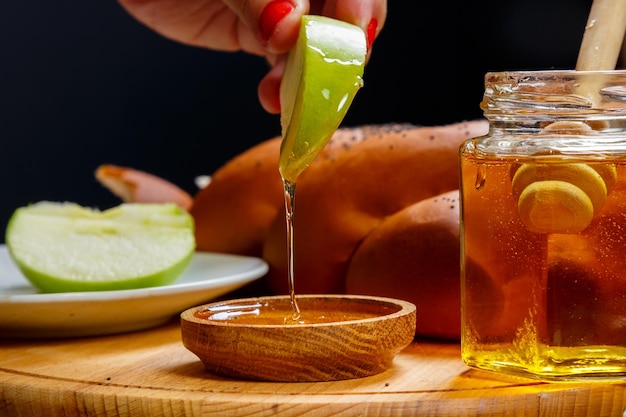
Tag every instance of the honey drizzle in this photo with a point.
(290, 197)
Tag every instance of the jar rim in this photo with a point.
(569, 72)
(555, 94)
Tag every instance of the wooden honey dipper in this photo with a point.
(561, 198)
(564, 198)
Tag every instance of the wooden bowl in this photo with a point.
(337, 336)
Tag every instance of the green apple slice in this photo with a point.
(64, 247)
(322, 75)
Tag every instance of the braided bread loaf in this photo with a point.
(376, 213)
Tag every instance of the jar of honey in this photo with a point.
(543, 227)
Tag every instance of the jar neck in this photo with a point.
(528, 101)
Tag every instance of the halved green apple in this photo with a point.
(64, 247)
(322, 75)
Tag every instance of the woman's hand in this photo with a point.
(266, 28)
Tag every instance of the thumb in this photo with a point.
(368, 15)
(275, 23)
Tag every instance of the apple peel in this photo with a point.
(64, 247)
(323, 73)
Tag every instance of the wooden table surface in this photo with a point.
(150, 373)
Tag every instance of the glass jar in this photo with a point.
(543, 227)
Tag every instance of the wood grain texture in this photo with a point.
(362, 338)
(150, 373)
(603, 36)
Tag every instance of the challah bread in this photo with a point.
(234, 212)
(341, 200)
(375, 213)
(414, 254)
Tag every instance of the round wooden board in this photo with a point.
(150, 373)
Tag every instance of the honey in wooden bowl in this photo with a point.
(336, 337)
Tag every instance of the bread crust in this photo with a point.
(375, 213)
(234, 210)
(413, 254)
(341, 200)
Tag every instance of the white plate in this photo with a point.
(26, 313)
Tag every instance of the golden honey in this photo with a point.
(279, 311)
(543, 227)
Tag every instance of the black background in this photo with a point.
(82, 83)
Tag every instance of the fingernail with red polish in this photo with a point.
(371, 33)
(273, 13)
